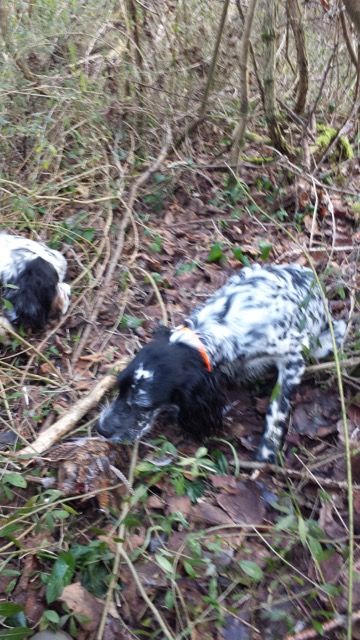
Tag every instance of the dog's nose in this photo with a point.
(104, 426)
(103, 430)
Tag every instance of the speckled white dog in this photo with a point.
(265, 316)
(32, 280)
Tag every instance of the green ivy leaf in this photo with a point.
(216, 253)
(8, 609)
(60, 577)
(239, 255)
(15, 479)
(51, 616)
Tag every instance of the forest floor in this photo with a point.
(198, 541)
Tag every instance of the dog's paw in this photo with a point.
(265, 453)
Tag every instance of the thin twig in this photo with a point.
(121, 536)
(7, 327)
(144, 177)
(326, 627)
(145, 596)
(327, 483)
(158, 295)
(209, 81)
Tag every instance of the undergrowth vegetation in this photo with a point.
(161, 146)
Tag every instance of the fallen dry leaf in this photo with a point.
(317, 416)
(209, 514)
(181, 504)
(244, 507)
(84, 604)
(228, 483)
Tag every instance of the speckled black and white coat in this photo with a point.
(264, 316)
(32, 280)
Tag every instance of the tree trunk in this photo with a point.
(353, 9)
(269, 38)
(295, 18)
(239, 133)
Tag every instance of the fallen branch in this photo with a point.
(67, 422)
(303, 475)
(309, 634)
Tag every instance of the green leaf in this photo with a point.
(189, 569)
(303, 530)
(318, 627)
(15, 634)
(331, 589)
(130, 322)
(9, 609)
(315, 548)
(220, 461)
(275, 392)
(216, 252)
(15, 479)
(265, 248)
(60, 514)
(159, 178)
(201, 452)
(169, 599)
(239, 255)
(139, 493)
(8, 306)
(88, 234)
(252, 570)
(51, 616)
(194, 489)
(164, 563)
(287, 522)
(61, 575)
(186, 267)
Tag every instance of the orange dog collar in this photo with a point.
(200, 348)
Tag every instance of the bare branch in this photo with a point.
(295, 18)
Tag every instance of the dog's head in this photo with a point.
(36, 295)
(168, 378)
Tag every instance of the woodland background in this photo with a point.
(161, 145)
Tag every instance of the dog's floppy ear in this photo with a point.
(161, 332)
(124, 377)
(201, 402)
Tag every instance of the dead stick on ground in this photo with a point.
(327, 483)
(309, 634)
(68, 421)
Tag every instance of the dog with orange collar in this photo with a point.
(263, 317)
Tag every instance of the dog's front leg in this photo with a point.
(289, 376)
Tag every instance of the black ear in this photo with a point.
(201, 405)
(124, 378)
(161, 332)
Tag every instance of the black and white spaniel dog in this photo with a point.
(32, 281)
(264, 316)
